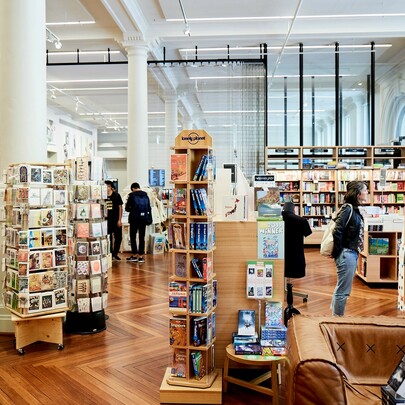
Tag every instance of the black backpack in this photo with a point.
(139, 209)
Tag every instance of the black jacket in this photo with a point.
(347, 236)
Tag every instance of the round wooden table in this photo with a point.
(271, 362)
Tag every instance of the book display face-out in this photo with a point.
(192, 285)
(89, 249)
(35, 242)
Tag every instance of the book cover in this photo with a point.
(178, 167)
(179, 206)
(273, 315)
(178, 368)
(235, 208)
(180, 264)
(200, 202)
(249, 348)
(194, 201)
(178, 331)
(178, 295)
(270, 235)
(199, 330)
(197, 266)
(179, 235)
(246, 322)
(198, 364)
(268, 202)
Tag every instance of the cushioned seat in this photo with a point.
(341, 360)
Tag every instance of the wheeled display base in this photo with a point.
(84, 323)
(44, 328)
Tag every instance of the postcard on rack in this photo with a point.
(47, 176)
(46, 196)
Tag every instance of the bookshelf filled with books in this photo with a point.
(192, 283)
(89, 248)
(35, 241)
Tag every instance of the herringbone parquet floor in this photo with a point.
(125, 363)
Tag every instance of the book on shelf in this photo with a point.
(200, 298)
(197, 267)
(178, 295)
(247, 322)
(199, 330)
(198, 174)
(268, 202)
(178, 331)
(199, 367)
(179, 362)
(179, 206)
(180, 264)
(244, 339)
(178, 235)
(178, 167)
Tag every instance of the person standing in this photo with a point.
(114, 218)
(348, 241)
(138, 206)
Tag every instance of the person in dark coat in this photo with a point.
(295, 230)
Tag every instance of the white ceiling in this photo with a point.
(213, 23)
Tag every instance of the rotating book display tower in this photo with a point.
(192, 284)
(89, 254)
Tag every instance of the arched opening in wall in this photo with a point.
(400, 127)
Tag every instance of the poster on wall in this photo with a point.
(270, 239)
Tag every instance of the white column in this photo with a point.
(22, 82)
(171, 120)
(138, 138)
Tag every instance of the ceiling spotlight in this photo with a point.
(53, 96)
(53, 39)
(187, 30)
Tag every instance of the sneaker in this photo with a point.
(141, 260)
(116, 257)
(132, 259)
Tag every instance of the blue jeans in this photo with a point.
(346, 264)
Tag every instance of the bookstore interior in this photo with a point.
(220, 138)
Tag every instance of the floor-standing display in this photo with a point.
(192, 284)
(35, 265)
(89, 249)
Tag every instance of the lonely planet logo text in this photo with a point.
(193, 138)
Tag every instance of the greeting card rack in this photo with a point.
(89, 254)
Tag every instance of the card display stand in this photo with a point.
(35, 265)
(89, 250)
(192, 284)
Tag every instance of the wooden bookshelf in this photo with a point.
(198, 304)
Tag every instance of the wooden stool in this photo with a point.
(44, 328)
(271, 362)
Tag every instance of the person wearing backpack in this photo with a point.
(138, 206)
(348, 241)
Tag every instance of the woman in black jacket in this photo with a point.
(348, 240)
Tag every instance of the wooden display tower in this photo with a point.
(181, 380)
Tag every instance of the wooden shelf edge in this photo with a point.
(205, 382)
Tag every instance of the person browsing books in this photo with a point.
(114, 217)
(348, 241)
(138, 206)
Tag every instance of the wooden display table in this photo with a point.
(44, 328)
(270, 362)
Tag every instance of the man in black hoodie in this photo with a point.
(138, 206)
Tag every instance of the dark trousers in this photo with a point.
(115, 240)
(134, 228)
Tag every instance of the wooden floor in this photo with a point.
(125, 363)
